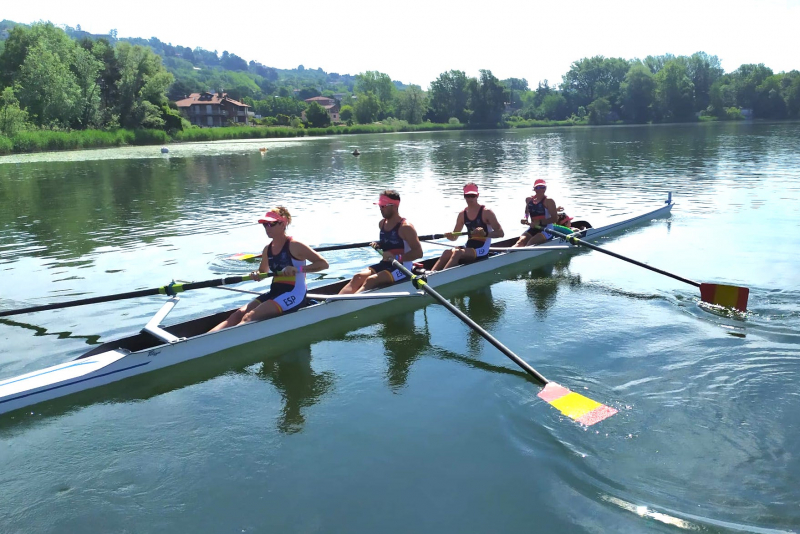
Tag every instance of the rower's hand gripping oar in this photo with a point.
(245, 256)
(573, 405)
(718, 294)
(170, 290)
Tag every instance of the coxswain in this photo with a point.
(542, 212)
(482, 226)
(398, 241)
(288, 260)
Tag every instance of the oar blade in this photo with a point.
(724, 295)
(242, 256)
(574, 405)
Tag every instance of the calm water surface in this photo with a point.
(401, 419)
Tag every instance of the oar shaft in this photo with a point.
(329, 248)
(576, 241)
(171, 289)
(419, 283)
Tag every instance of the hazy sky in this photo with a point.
(415, 41)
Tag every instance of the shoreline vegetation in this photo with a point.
(62, 88)
(49, 141)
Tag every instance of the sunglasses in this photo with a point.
(271, 224)
(540, 187)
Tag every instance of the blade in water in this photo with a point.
(727, 296)
(575, 406)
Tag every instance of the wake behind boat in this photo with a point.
(156, 347)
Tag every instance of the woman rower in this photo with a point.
(286, 259)
(543, 214)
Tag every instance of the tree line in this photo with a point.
(49, 80)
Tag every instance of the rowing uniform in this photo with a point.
(287, 292)
(538, 212)
(390, 241)
(480, 244)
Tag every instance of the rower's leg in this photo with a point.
(266, 310)
(356, 282)
(442, 261)
(236, 317)
(538, 239)
(458, 255)
(523, 240)
(382, 278)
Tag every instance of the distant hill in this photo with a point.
(198, 70)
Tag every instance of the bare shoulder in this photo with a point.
(300, 250)
(407, 228)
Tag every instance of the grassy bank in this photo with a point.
(46, 140)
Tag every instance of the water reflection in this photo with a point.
(482, 308)
(403, 343)
(299, 385)
(542, 283)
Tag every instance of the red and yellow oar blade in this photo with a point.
(575, 406)
(242, 256)
(727, 296)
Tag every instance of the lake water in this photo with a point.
(403, 420)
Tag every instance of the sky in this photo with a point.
(415, 41)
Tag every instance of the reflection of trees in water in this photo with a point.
(300, 386)
(404, 344)
(480, 306)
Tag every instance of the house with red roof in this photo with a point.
(330, 105)
(214, 109)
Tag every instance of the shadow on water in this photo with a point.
(41, 331)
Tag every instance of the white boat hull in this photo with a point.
(104, 366)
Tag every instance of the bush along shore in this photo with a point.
(47, 140)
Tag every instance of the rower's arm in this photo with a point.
(409, 235)
(550, 204)
(458, 227)
(263, 267)
(525, 220)
(491, 218)
(304, 252)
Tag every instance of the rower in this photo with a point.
(398, 241)
(286, 258)
(543, 214)
(482, 226)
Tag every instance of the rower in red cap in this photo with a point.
(398, 241)
(286, 258)
(542, 212)
(482, 226)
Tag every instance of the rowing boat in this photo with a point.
(157, 347)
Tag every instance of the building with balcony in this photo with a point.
(214, 109)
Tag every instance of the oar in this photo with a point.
(719, 294)
(171, 290)
(573, 405)
(245, 256)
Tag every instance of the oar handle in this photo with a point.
(575, 241)
(171, 289)
(420, 283)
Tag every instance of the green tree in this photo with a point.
(379, 84)
(86, 69)
(412, 104)
(367, 108)
(674, 92)
(790, 88)
(637, 93)
(12, 118)
(591, 78)
(346, 113)
(449, 97)
(745, 80)
(769, 99)
(554, 107)
(47, 88)
(317, 116)
(142, 86)
(704, 70)
(598, 111)
(487, 99)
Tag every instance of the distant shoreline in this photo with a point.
(33, 141)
